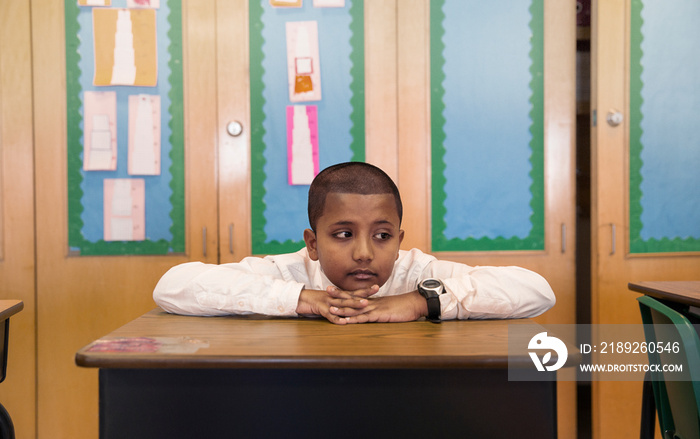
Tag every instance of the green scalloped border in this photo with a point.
(76, 242)
(637, 243)
(535, 240)
(260, 244)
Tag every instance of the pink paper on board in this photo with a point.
(144, 135)
(302, 144)
(135, 344)
(124, 209)
(100, 131)
(143, 4)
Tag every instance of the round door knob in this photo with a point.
(614, 118)
(234, 128)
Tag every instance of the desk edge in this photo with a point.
(12, 309)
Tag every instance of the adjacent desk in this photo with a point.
(684, 292)
(172, 376)
(8, 308)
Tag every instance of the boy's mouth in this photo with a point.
(362, 274)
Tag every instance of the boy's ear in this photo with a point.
(310, 240)
(400, 241)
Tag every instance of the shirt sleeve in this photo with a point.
(252, 286)
(490, 292)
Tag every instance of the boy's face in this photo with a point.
(357, 239)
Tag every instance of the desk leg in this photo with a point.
(174, 403)
(7, 429)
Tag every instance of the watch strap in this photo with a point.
(433, 309)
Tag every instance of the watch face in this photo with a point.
(431, 283)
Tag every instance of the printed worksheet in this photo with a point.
(100, 131)
(303, 64)
(144, 135)
(124, 209)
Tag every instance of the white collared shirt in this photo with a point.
(271, 286)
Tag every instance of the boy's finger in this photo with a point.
(346, 311)
(366, 292)
(337, 293)
(360, 318)
(354, 303)
(338, 320)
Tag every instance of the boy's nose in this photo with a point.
(363, 250)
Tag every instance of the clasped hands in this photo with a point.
(359, 306)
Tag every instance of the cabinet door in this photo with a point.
(17, 392)
(260, 212)
(421, 46)
(554, 256)
(80, 298)
(645, 186)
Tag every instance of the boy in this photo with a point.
(352, 271)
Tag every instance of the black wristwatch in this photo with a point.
(431, 290)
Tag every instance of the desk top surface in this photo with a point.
(9, 308)
(686, 292)
(161, 340)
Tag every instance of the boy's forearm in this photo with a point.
(206, 289)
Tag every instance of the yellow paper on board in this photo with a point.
(125, 47)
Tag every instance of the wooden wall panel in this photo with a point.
(81, 298)
(616, 405)
(18, 391)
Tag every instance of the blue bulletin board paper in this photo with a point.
(664, 137)
(487, 121)
(279, 210)
(165, 192)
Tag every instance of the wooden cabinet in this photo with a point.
(81, 298)
(556, 262)
(616, 43)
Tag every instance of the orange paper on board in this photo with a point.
(125, 47)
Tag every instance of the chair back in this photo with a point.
(677, 399)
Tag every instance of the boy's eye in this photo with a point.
(383, 236)
(342, 235)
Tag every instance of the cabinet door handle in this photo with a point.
(234, 128)
(612, 247)
(204, 242)
(230, 238)
(563, 238)
(614, 118)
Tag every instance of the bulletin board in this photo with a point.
(487, 122)
(307, 108)
(664, 186)
(125, 141)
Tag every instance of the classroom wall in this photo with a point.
(71, 299)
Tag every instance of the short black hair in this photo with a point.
(350, 178)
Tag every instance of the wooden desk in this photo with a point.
(8, 308)
(267, 377)
(685, 292)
